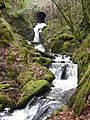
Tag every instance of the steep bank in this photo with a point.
(22, 70)
(58, 39)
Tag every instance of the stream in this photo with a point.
(63, 86)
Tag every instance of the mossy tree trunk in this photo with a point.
(86, 13)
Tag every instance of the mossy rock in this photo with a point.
(2, 98)
(1, 107)
(66, 37)
(56, 45)
(45, 32)
(81, 56)
(35, 54)
(43, 61)
(30, 90)
(59, 43)
(46, 54)
(49, 76)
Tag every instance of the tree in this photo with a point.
(86, 13)
(74, 25)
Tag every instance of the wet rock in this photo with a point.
(64, 72)
(31, 89)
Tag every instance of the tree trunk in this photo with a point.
(59, 6)
(86, 13)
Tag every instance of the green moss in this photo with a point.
(46, 54)
(2, 101)
(24, 54)
(31, 89)
(82, 55)
(60, 43)
(1, 107)
(43, 61)
(2, 97)
(66, 37)
(66, 46)
(34, 54)
(4, 43)
(46, 32)
(62, 108)
(5, 31)
(79, 98)
(11, 57)
(10, 73)
(49, 76)
(4, 86)
(25, 76)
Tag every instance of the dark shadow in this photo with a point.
(2, 5)
(41, 17)
(21, 27)
(64, 72)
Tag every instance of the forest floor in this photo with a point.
(68, 114)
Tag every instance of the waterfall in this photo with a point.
(37, 30)
(70, 78)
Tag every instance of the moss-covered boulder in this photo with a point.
(59, 43)
(49, 76)
(31, 89)
(43, 61)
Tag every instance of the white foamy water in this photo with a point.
(70, 82)
(37, 29)
(40, 47)
(71, 72)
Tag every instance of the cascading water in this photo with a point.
(37, 30)
(39, 108)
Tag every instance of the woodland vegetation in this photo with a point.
(22, 68)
